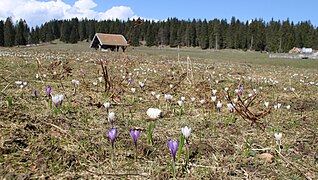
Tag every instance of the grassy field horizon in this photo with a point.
(251, 117)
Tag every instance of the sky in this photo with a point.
(37, 12)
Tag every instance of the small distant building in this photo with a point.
(306, 50)
(295, 50)
(109, 41)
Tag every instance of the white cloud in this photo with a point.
(120, 12)
(36, 12)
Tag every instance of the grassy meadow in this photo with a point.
(236, 103)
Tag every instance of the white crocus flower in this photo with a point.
(107, 105)
(288, 107)
(277, 106)
(278, 137)
(141, 84)
(57, 99)
(214, 91)
(219, 105)
(75, 82)
(18, 83)
(100, 79)
(36, 76)
(168, 97)
(180, 103)
(154, 113)
(193, 99)
(213, 98)
(186, 132)
(230, 107)
(111, 117)
(226, 89)
(266, 104)
(157, 96)
(202, 101)
(133, 90)
(182, 98)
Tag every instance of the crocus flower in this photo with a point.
(154, 113)
(288, 107)
(141, 84)
(182, 98)
(75, 82)
(278, 137)
(240, 90)
(134, 134)
(266, 104)
(230, 107)
(18, 83)
(168, 97)
(107, 105)
(213, 98)
(180, 103)
(133, 90)
(35, 92)
(214, 92)
(111, 117)
(202, 101)
(186, 132)
(48, 90)
(173, 146)
(112, 135)
(58, 99)
(219, 105)
(157, 96)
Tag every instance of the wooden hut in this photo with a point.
(109, 41)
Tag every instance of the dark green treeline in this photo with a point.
(273, 36)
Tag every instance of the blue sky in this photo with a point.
(37, 12)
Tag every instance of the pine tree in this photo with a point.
(74, 36)
(150, 38)
(173, 32)
(82, 30)
(204, 39)
(34, 35)
(8, 33)
(1, 33)
(65, 31)
(163, 33)
(19, 33)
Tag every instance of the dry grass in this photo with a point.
(36, 143)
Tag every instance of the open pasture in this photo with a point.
(233, 101)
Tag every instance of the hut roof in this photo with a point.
(110, 39)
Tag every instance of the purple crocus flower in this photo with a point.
(35, 92)
(241, 90)
(173, 146)
(129, 81)
(134, 134)
(48, 90)
(112, 135)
